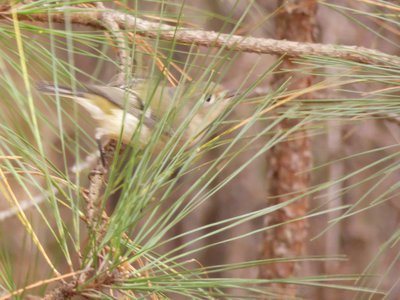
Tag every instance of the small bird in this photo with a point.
(119, 109)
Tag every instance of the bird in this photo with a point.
(118, 109)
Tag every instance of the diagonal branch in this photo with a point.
(121, 40)
(93, 18)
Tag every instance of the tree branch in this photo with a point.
(94, 18)
(113, 27)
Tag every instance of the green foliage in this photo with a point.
(42, 138)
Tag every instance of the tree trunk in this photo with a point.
(290, 160)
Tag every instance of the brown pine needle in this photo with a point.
(39, 283)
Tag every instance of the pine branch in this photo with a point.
(95, 18)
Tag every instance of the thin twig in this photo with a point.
(113, 27)
(94, 18)
(96, 181)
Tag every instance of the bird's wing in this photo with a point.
(50, 89)
(134, 104)
(118, 96)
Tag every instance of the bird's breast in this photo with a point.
(118, 121)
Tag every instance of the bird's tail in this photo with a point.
(51, 89)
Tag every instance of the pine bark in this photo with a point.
(290, 161)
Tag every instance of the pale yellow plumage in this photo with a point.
(147, 104)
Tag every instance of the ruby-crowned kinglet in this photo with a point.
(148, 104)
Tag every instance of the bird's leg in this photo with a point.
(102, 155)
(99, 170)
(98, 137)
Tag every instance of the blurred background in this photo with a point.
(354, 152)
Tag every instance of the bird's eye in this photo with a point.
(208, 98)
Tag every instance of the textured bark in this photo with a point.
(294, 48)
(290, 160)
